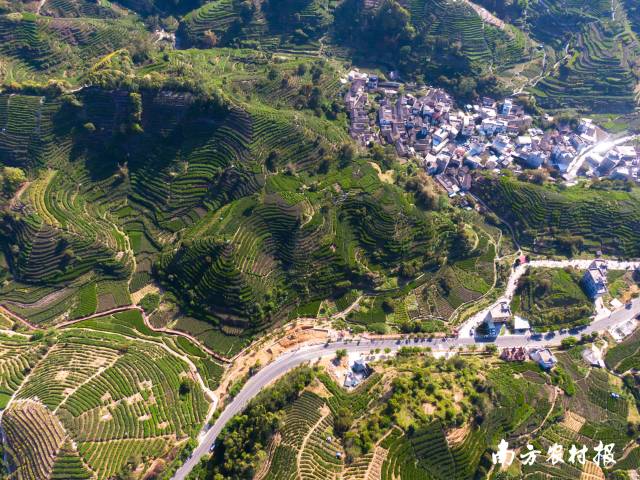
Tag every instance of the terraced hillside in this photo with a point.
(434, 39)
(568, 221)
(256, 205)
(415, 425)
(480, 43)
(590, 48)
(599, 75)
(286, 26)
(45, 45)
(97, 404)
(288, 247)
(549, 298)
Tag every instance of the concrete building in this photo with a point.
(595, 279)
(544, 358)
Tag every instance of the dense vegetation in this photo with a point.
(242, 209)
(201, 147)
(427, 418)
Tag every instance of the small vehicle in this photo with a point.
(212, 447)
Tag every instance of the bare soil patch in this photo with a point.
(573, 421)
(591, 471)
(429, 408)
(319, 389)
(456, 436)
(386, 177)
(296, 335)
(374, 472)
(135, 398)
(139, 295)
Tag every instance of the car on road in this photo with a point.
(212, 447)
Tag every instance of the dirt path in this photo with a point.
(40, 6)
(16, 317)
(16, 196)
(347, 310)
(486, 15)
(192, 367)
(43, 302)
(546, 417)
(99, 371)
(148, 324)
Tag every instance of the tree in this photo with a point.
(342, 421)
(272, 161)
(346, 154)
(185, 388)
(12, 178)
(467, 87)
(461, 246)
(568, 343)
(341, 353)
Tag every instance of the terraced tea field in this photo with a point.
(577, 219)
(91, 404)
(599, 75)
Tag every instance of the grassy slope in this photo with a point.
(552, 298)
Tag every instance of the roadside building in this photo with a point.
(544, 358)
(515, 354)
(594, 280)
(520, 325)
(500, 313)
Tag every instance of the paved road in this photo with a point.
(516, 273)
(600, 147)
(295, 358)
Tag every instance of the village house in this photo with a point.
(544, 358)
(514, 354)
(595, 279)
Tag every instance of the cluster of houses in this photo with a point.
(617, 163)
(450, 142)
(542, 356)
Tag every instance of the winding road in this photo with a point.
(295, 358)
